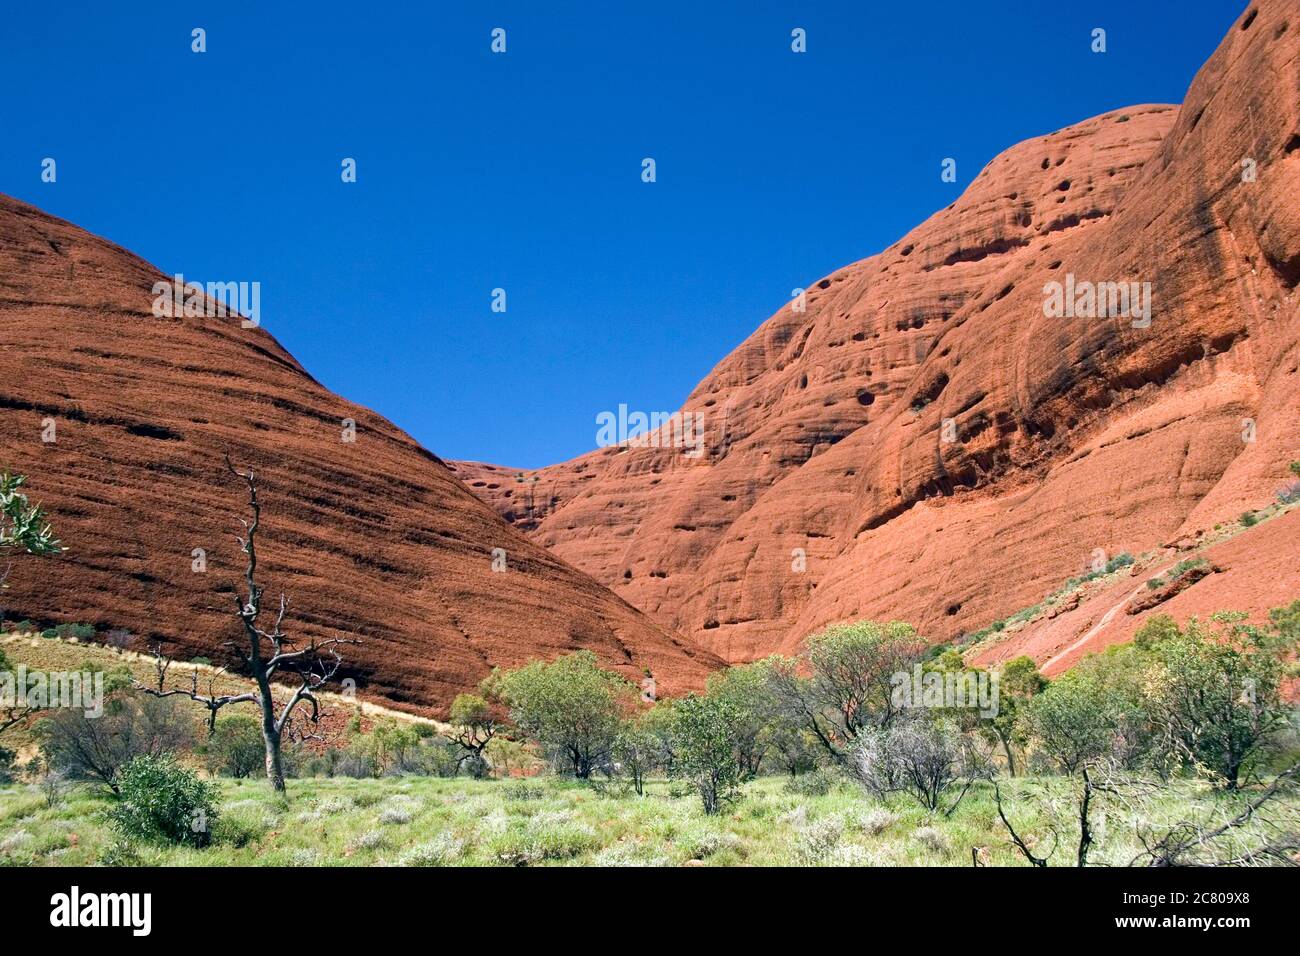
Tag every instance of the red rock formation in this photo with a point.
(373, 539)
(1254, 570)
(826, 428)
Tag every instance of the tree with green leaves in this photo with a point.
(235, 747)
(1018, 683)
(473, 727)
(1216, 691)
(849, 684)
(706, 733)
(571, 706)
(749, 687)
(23, 525)
(636, 750)
(1076, 720)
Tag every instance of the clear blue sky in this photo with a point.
(522, 170)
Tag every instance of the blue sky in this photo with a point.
(523, 171)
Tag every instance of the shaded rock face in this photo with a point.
(371, 539)
(924, 442)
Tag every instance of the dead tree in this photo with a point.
(211, 700)
(269, 655)
(1087, 835)
(1254, 836)
(1265, 830)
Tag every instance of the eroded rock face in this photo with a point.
(372, 539)
(928, 444)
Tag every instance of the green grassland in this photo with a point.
(422, 821)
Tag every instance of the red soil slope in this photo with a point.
(1256, 569)
(373, 539)
(825, 429)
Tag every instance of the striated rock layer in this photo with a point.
(925, 443)
(372, 539)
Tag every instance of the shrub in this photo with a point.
(524, 791)
(543, 837)
(89, 748)
(242, 826)
(119, 853)
(700, 843)
(164, 802)
(705, 733)
(398, 816)
(920, 756)
(818, 783)
(236, 748)
(1248, 519)
(931, 838)
(1217, 692)
(7, 759)
(876, 821)
(370, 840)
(1078, 718)
(1121, 560)
(572, 707)
(1288, 494)
(817, 840)
(849, 687)
(443, 850)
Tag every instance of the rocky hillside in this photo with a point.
(930, 440)
(372, 538)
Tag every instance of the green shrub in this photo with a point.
(119, 853)
(236, 748)
(443, 850)
(164, 802)
(547, 836)
(571, 706)
(524, 791)
(242, 826)
(816, 784)
(1249, 519)
(1121, 560)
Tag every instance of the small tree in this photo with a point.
(235, 746)
(706, 731)
(1081, 717)
(268, 655)
(572, 707)
(1216, 693)
(1018, 683)
(473, 727)
(748, 686)
(96, 749)
(636, 749)
(22, 528)
(22, 525)
(849, 688)
(923, 757)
